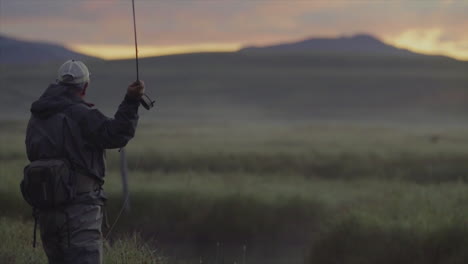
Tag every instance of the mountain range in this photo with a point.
(357, 44)
(317, 79)
(13, 51)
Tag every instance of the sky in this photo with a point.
(104, 28)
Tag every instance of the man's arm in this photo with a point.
(115, 132)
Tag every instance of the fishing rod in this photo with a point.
(148, 104)
(145, 100)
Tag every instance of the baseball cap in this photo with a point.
(73, 72)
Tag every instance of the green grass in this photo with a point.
(348, 194)
(326, 151)
(251, 201)
(16, 247)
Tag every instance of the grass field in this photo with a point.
(17, 247)
(315, 193)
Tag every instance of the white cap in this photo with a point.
(74, 72)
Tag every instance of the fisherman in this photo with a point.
(66, 130)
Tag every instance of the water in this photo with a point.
(219, 253)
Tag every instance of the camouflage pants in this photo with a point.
(76, 238)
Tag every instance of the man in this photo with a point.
(64, 126)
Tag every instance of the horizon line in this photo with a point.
(122, 52)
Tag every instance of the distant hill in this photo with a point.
(358, 44)
(13, 51)
(269, 86)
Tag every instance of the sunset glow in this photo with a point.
(104, 28)
(420, 41)
(430, 41)
(113, 52)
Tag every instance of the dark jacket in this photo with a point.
(62, 125)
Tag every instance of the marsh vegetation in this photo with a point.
(272, 193)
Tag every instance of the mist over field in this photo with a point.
(324, 82)
(271, 155)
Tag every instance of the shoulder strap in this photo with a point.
(63, 152)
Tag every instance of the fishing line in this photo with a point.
(125, 205)
(148, 104)
(122, 209)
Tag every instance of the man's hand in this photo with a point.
(136, 89)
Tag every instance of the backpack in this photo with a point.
(49, 184)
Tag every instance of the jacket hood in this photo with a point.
(55, 99)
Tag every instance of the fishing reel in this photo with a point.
(147, 102)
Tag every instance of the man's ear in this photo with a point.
(83, 91)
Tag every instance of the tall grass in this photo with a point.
(324, 151)
(16, 247)
(348, 194)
